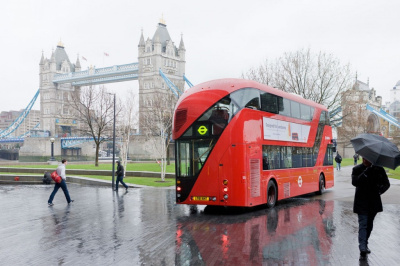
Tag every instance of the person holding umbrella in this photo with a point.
(371, 182)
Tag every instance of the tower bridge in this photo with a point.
(160, 65)
(59, 78)
(93, 76)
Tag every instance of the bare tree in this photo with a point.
(94, 110)
(317, 77)
(127, 122)
(156, 124)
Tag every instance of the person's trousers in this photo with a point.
(63, 186)
(120, 179)
(365, 225)
(338, 166)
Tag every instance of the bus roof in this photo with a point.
(223, 87)
(196, 100)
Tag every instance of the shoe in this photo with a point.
(363, 254)
(116, 190)
(71, 201)
(127, 189)
(50, 204)
(368, 251)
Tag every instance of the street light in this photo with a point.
(113, 159)
(52, 149)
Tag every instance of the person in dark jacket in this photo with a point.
(371, 182)
(356, 157)
(120, 176)
(338, 160)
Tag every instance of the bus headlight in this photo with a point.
(226, 196)
(225, 189)
(225, 182)
(178, 188)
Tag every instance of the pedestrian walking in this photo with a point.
(63, 184)
(356, 157)
(371, 182)
(338, 160)
(120, 176)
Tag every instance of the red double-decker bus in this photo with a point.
(241, 143)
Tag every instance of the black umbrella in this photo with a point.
(377, 149)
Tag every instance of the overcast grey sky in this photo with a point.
(223, 38)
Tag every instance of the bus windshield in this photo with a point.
(197, 142)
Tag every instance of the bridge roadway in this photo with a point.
(144, 226)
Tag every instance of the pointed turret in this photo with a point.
(42, 59)
(77, 64)
(181, 44)
(53, 58)
(141, 42)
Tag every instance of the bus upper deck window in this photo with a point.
(219, 119)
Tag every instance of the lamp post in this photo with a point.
(52, 149)
(113, 160)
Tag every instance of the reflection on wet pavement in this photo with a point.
(146, 227)
(298, 231)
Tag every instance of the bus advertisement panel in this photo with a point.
(241, 143)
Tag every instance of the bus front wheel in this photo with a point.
(321, 185)
(271, 194)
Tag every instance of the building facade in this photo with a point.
(357, 119)
(29, 123)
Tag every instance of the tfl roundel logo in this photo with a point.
(300, 181)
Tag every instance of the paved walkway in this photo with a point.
(145, 227)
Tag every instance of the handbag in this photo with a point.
(56, 177)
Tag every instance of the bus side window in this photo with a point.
(305, 112)
(252, 99)
(295, 109)
(286, 153)
(297, 157)
(284, 107)
(269, 102)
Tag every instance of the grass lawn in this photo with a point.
(148, 167)
(392, 173)
(147, 181)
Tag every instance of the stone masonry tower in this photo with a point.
(54, 111)
(157, 53)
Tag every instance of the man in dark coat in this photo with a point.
(120, 176)
(371, 182)
(338, 160)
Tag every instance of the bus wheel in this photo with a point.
(321, 185)
(271, 194)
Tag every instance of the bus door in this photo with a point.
(253, 176)
(232, 176)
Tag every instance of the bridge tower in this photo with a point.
(157, 53)
(53, 97)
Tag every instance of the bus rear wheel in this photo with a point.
(321, 185)
(271, 194)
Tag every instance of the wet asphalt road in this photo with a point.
(146, 227)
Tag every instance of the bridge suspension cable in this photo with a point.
(170, 85)
(382, 114)
(187, 81)
(17, 122)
